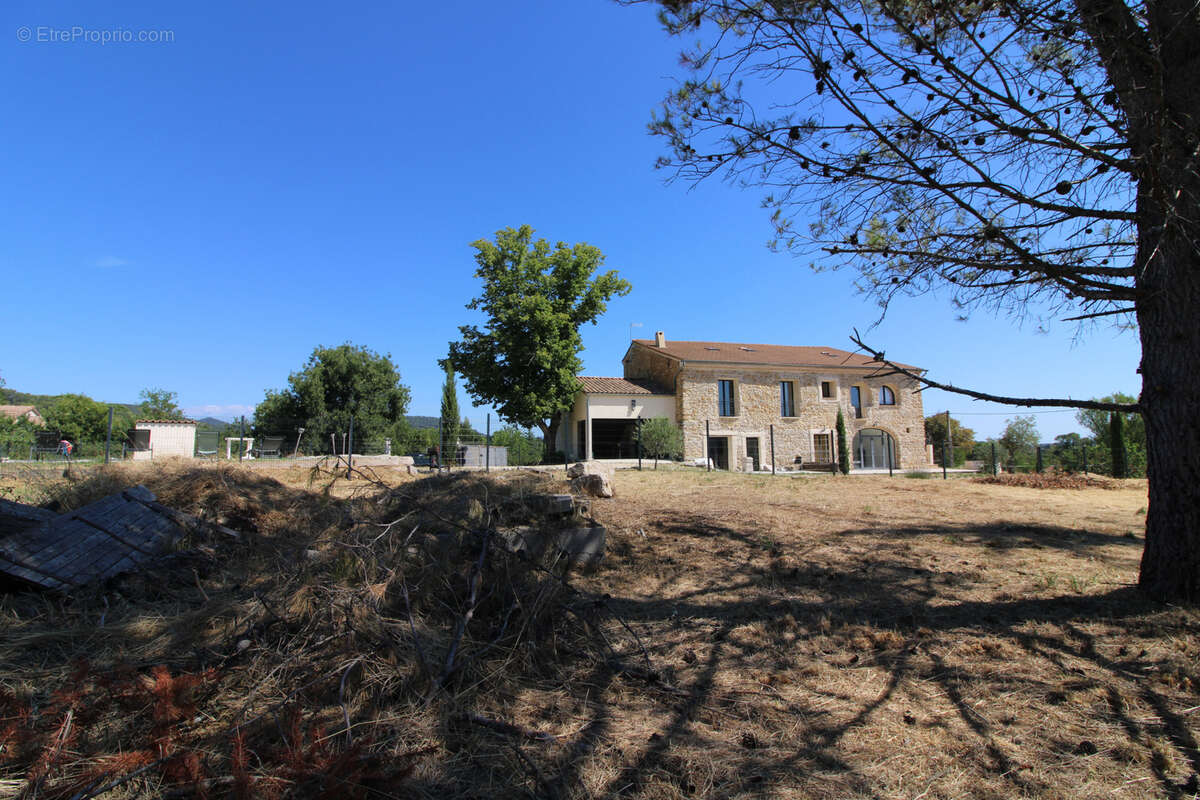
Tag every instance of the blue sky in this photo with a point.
(199, 213)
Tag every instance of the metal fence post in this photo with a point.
(944, 476)
(108, 436)
(772, 449)
(487, 457)
(1083, 447)
(350, 448)
(242, 439)
(888, 444)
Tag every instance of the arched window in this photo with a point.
(886, 396)
(875, 449)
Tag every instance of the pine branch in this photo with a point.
(878, 356)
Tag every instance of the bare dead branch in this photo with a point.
(878, 355)
(1110, 312)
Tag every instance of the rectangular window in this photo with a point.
(826, 389)
(787, 406)
(725, 398)
(856, 401)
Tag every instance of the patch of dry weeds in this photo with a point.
(803, 637)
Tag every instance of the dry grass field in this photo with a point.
(746, 636)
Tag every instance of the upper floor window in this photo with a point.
(787, 405)
(886, 396)
(856, 401)
(725, 398)
(826, 389)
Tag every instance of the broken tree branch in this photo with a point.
(1097, 405)
(472, 601)
(1110, 312)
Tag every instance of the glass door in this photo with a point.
(822, 448)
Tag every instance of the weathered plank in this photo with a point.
(92, 543)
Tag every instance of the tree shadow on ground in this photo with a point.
(807, 656)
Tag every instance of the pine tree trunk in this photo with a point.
(1171, 408)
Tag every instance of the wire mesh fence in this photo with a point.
(443, 445)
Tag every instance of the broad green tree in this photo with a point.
(410, 440)
(79, 418)
(962, 437)
(1035, 158)
(1099, 423)
(1020, 440)
(16, 437)
(524, 358)
(159, 404)
(335, 384)
(661, 438)
(1067, 452)
(524, 448)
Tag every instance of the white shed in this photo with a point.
(168, 437)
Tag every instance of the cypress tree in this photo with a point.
(843, 450)
(1116, 443)
(450, 416)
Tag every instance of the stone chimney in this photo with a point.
(660, 339)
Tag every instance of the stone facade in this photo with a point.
(645, 363)
(757, 407)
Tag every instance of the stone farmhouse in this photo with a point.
(731, 399)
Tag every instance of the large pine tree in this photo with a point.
(1035, 157)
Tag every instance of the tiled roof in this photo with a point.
(16, 411)
(593, 385)
(167, 421)
(767, 354)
